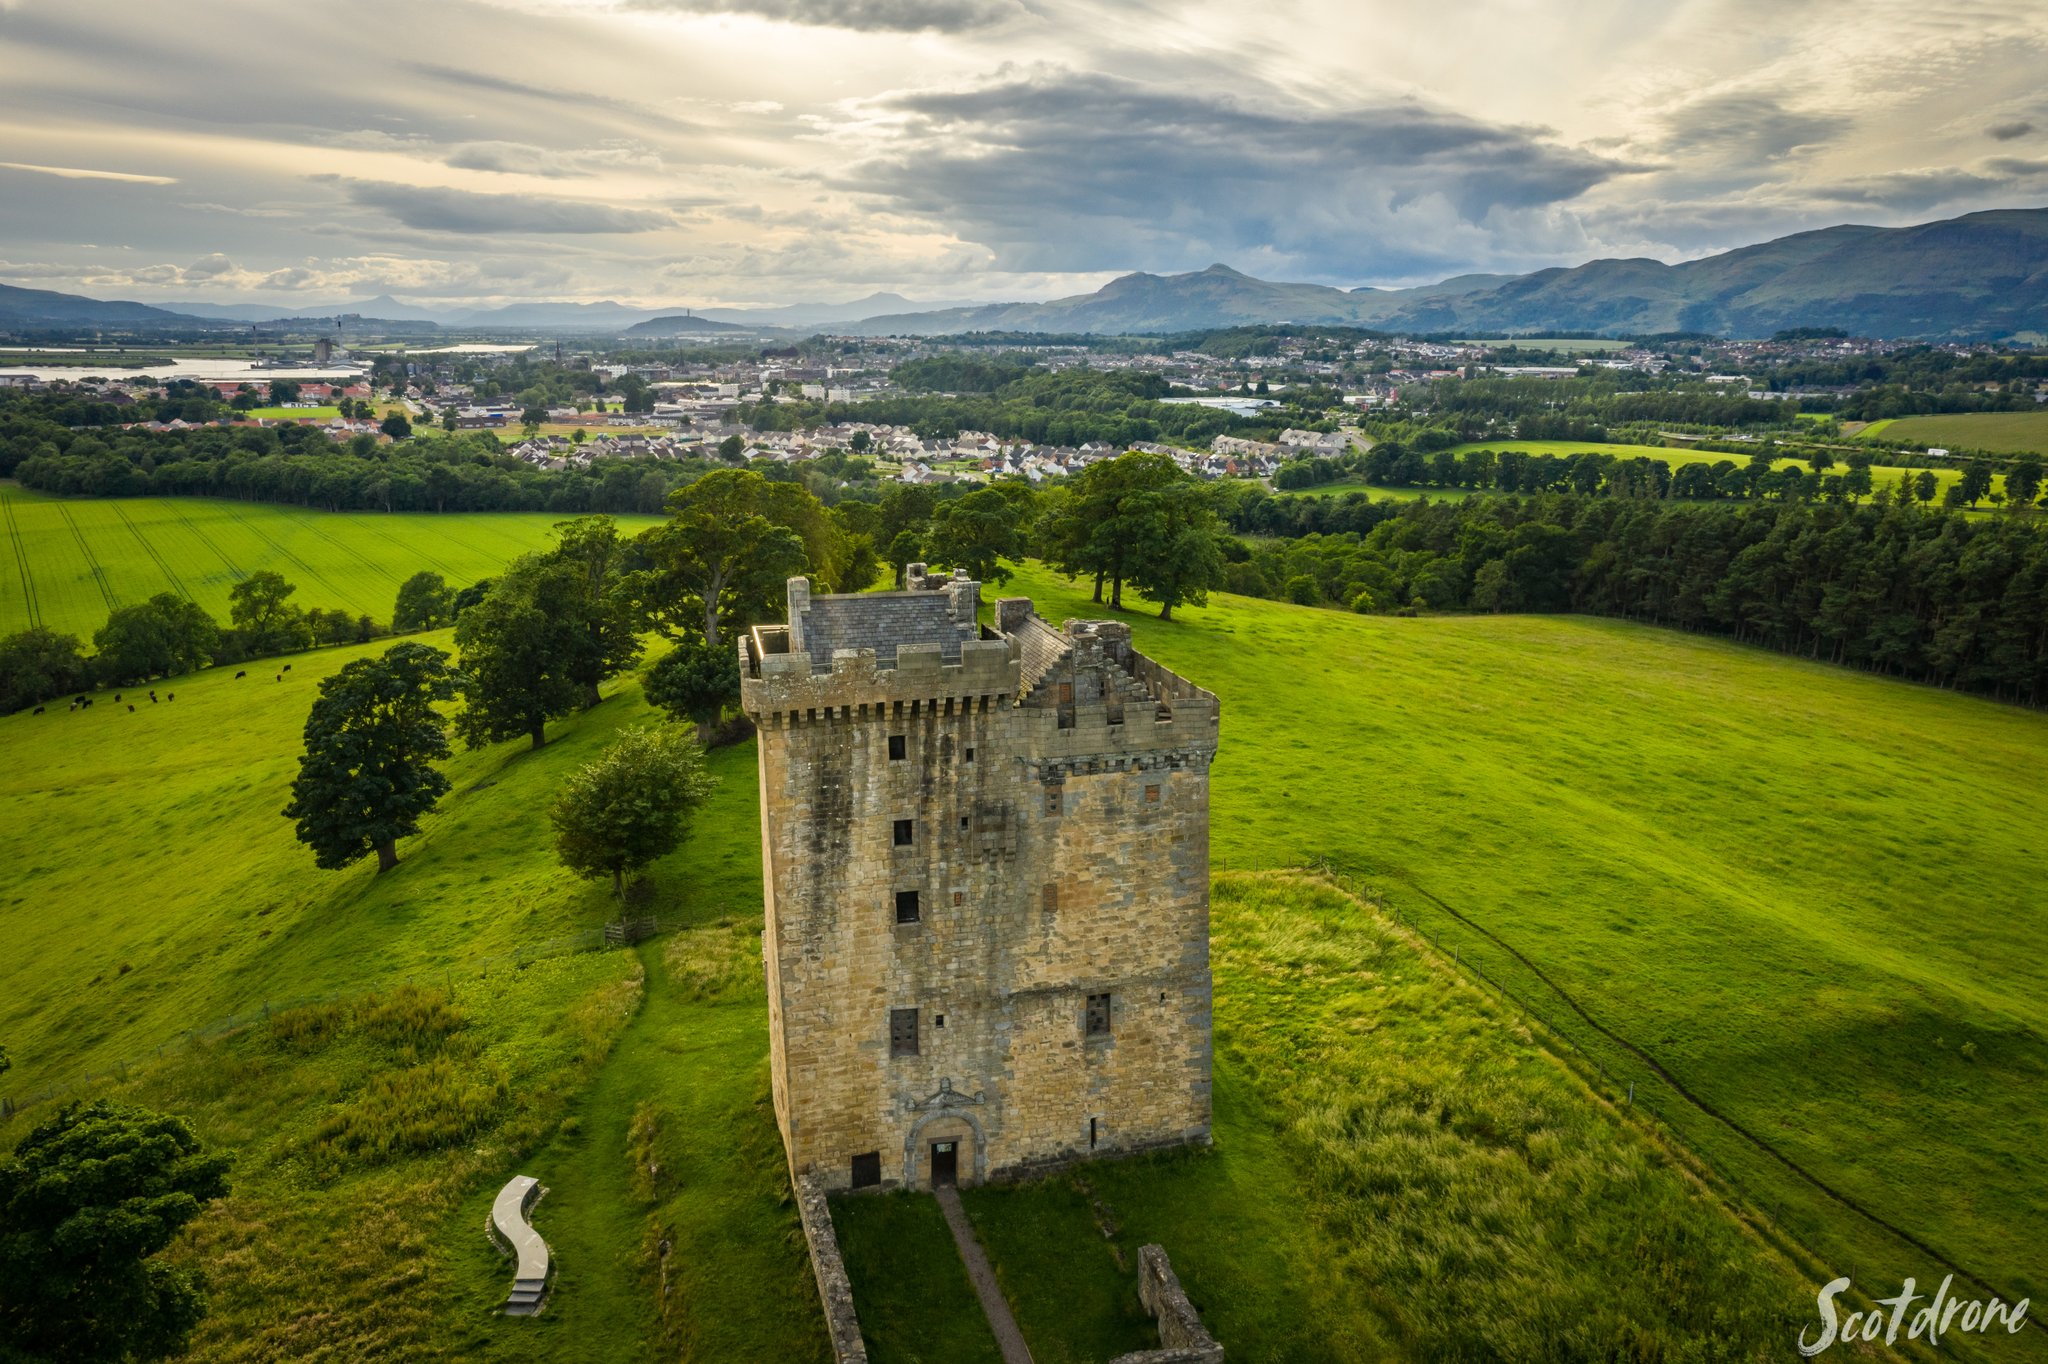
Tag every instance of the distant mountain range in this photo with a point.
(1984, 275)
(1980, 276)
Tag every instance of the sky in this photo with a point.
(739, 152)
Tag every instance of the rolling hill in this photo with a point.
(1983, 275)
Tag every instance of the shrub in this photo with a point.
(404, 1112)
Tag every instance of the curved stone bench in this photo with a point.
(515, 1236)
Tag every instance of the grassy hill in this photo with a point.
(1805, 892)
(154, 889)
(2005, 432)
(69, 561)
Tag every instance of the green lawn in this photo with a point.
(2009, 432)
(69, 561)
(153, 887)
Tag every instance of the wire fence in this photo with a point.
(609, 937)
(1617, 1067)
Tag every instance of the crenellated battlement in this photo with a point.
(781, 688)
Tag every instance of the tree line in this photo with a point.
(1891, 585)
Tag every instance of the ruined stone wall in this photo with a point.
(1055, 855)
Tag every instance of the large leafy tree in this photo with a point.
(424, 602)
(695, 681)
(367, 775)
(1179, 545)
(37, 664)
(161, 637)
(522, 651)
(978, 531)
(732, 539)
(1100, 526)
(591, 548)
(260, 609)
(87, 1200)
(631, 806)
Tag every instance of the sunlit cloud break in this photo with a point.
(81, 173)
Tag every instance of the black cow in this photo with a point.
(117, 696)
(131, 706)
(170, 696)
(240, 675)
(287, 667)
(280, 677)
(39, 710)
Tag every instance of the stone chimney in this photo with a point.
(799, 607)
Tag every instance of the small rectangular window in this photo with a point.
(1091, 1138)
(903, 1032)
(1098, 1015)
(938, 1020)
(969, 756)
(959, 899)
(1052, 800)
(963, 824)
(1066, 693)
(867, 1170)
(1151, 795)
(903, 828)
(898, 749)
(906, 907)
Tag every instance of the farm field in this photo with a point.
(1882, 475)
(2007, 432)
(1722, 854)
(70, 561)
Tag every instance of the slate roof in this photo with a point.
(881, 621)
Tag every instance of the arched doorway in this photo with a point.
(949, 1138)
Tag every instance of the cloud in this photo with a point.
(77, 173)
(435, 209)
(1747, 127)
(520, 158)
(1056, 170)
(867, 16)
(2006, 132)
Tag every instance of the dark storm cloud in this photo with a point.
(2006, 132)
(433, 209)
(1063, 171)
(868, 16)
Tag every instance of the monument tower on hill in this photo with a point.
(986, 859)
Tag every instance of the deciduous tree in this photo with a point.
(631, 806)
(37, 664)
(367, 776)
(424, 603)
(88, 1199)
(695, 681)
(161, 637)
(732, 540)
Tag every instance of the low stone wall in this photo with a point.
(1182, 1337)
(834, 1291)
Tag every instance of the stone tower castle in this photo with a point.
(986, 856)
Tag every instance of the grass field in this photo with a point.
(70, 561)
(2007, 432)
(216, 910)
(1882, 475)
(293, 414)
(1425, 1180)
(1725, 855)
(1810, 894)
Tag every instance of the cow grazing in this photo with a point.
(131, 706)
(170, 696)
(117, 696)
(287, 667)
(39, 710)
(240, 675)
(280, 677)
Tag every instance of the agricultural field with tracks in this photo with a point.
(70, 561)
